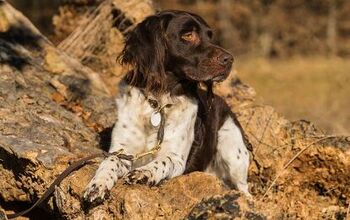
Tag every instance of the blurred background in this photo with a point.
(295, 53)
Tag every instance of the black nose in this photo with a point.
(225, 59)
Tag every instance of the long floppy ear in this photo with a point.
(145, 50)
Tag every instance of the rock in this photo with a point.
(172, 199)
(2, 214)
(55, 109)
(98, 38)
(229, 206)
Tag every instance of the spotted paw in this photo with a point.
(96, 192)
(139, 177)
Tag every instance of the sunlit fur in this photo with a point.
(200, 133)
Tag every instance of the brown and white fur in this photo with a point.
(200, 133)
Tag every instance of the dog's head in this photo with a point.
(178, 43)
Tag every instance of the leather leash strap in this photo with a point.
(80, 163)
(74, 166)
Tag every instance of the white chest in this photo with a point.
(138, 121)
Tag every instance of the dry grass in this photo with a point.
(312, 88)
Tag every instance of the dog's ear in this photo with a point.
(145, 50)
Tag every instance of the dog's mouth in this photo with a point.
(222, 75)
(219, 78)
(217, 74)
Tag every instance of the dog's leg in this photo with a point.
(106, 176)
(113, 168)
(232, 158)
(163, 167)
(128, 134)
(178, 138)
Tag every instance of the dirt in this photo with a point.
(296, 171)
(315, 184)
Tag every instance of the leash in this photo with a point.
(80, 163)
(74, 166)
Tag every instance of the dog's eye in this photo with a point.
(190, 36)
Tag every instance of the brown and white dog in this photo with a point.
(172, 52)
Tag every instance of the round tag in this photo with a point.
(155, 119)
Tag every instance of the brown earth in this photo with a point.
(56, 107)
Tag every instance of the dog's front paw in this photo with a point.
(139, 177)
(96, 191)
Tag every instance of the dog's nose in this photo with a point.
(225, 59)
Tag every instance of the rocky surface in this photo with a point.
(56, 107)
(228, 206)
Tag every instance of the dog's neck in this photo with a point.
(174, 85)
(178, 86)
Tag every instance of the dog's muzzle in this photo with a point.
(225, 61)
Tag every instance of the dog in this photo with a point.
(175, 64)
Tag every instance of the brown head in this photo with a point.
(174, 44)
